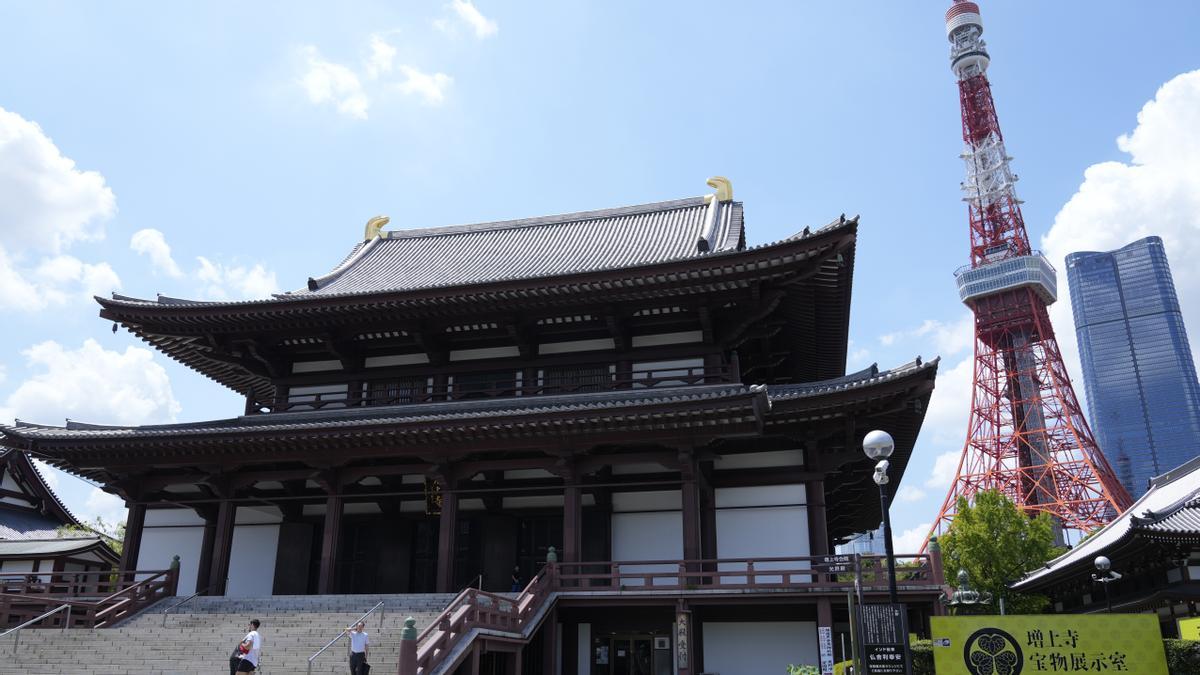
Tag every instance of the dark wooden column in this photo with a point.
(134, 522)
(550, 642)
(330, 539)
(708, 512)
(222, 548)
(572, 524)
(447, 537)
(690, 492)
(204, 564)
(818, 529)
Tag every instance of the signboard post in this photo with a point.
(1055, 643)
(884, 636)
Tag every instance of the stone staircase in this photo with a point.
(199, 637)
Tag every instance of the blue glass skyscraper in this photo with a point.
(1137, 366)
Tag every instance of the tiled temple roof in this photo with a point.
(1169, 511)
(534, 247)
(475, 409)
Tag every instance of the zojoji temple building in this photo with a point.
(636, 388)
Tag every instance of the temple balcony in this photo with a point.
(575, 379)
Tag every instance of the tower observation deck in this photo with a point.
(1026, 436)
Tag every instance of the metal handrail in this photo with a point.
(17, 630)
(329, 644)
(189, 598)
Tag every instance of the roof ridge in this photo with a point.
(534, 221)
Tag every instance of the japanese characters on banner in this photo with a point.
(1068, 643)
(825, 641)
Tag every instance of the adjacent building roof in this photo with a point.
(31, 548)
(1169, 511)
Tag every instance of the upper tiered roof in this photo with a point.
(534, 247)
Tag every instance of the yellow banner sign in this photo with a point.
(1062, 643)
(1189, 629)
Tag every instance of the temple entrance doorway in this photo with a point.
(636, 654)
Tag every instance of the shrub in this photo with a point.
(1183, 656)
(922, 656)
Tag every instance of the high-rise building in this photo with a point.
(1137, 367)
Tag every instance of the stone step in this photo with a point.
(200, 638)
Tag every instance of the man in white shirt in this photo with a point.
(251, 648)
(360, 644)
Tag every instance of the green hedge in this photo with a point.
(1183, 657)
(922, 656)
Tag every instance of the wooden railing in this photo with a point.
(97, 599)
(475, 609)
(503, 387)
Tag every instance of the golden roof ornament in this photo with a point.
(723, 187)
(374, 227)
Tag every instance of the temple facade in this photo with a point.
(634, 392)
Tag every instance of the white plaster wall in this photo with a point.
(10, 484)
(761, 522)
(668, 338)
(252, 561)
(647, 536)
(16, 566)
(160, 544)
(757, 647)
(576, 346)
(172, 517)
(758, 460)
(583, 654)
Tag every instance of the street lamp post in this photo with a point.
(1106, 577)
(878, 445)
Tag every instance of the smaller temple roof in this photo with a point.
(1170, 510)
(22, 525)
(27, 548)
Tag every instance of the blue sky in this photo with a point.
(256, 139)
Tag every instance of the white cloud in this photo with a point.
(54, 281)
(101, 504)
(150, 242)
(237, 282)
(379, 62)
(430, 87)
(470, 15)
(48, 474)
(328, 82)
(946, 419)
(92, 383)
(910, 541)
(1156, 192)
(46, 203)
(945, 468)
(909, 493)
(948, 339)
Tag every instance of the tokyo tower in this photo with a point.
(1026, 436)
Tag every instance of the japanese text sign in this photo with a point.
(1071, 643)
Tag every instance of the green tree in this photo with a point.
(996, 543)
(113, 535)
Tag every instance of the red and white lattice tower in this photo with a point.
(1026, 436)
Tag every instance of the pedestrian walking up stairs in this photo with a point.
(198, 637)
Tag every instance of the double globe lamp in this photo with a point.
(878, 445)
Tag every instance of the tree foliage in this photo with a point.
(113, 535)
(996, 543)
